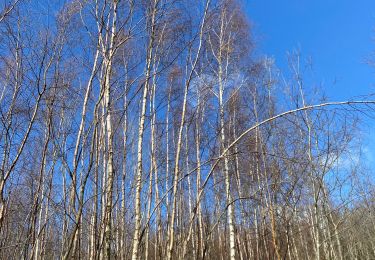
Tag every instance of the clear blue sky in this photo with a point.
(339, 35)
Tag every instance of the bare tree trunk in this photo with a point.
(167, 165)
(124, 173)
(230, 208)
(201, 237)
(179, 140)
(138, 184)
(109, 133)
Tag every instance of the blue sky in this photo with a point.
(339, 35)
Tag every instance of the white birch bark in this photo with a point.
(142, 116)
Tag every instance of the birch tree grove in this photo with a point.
(151, 130)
